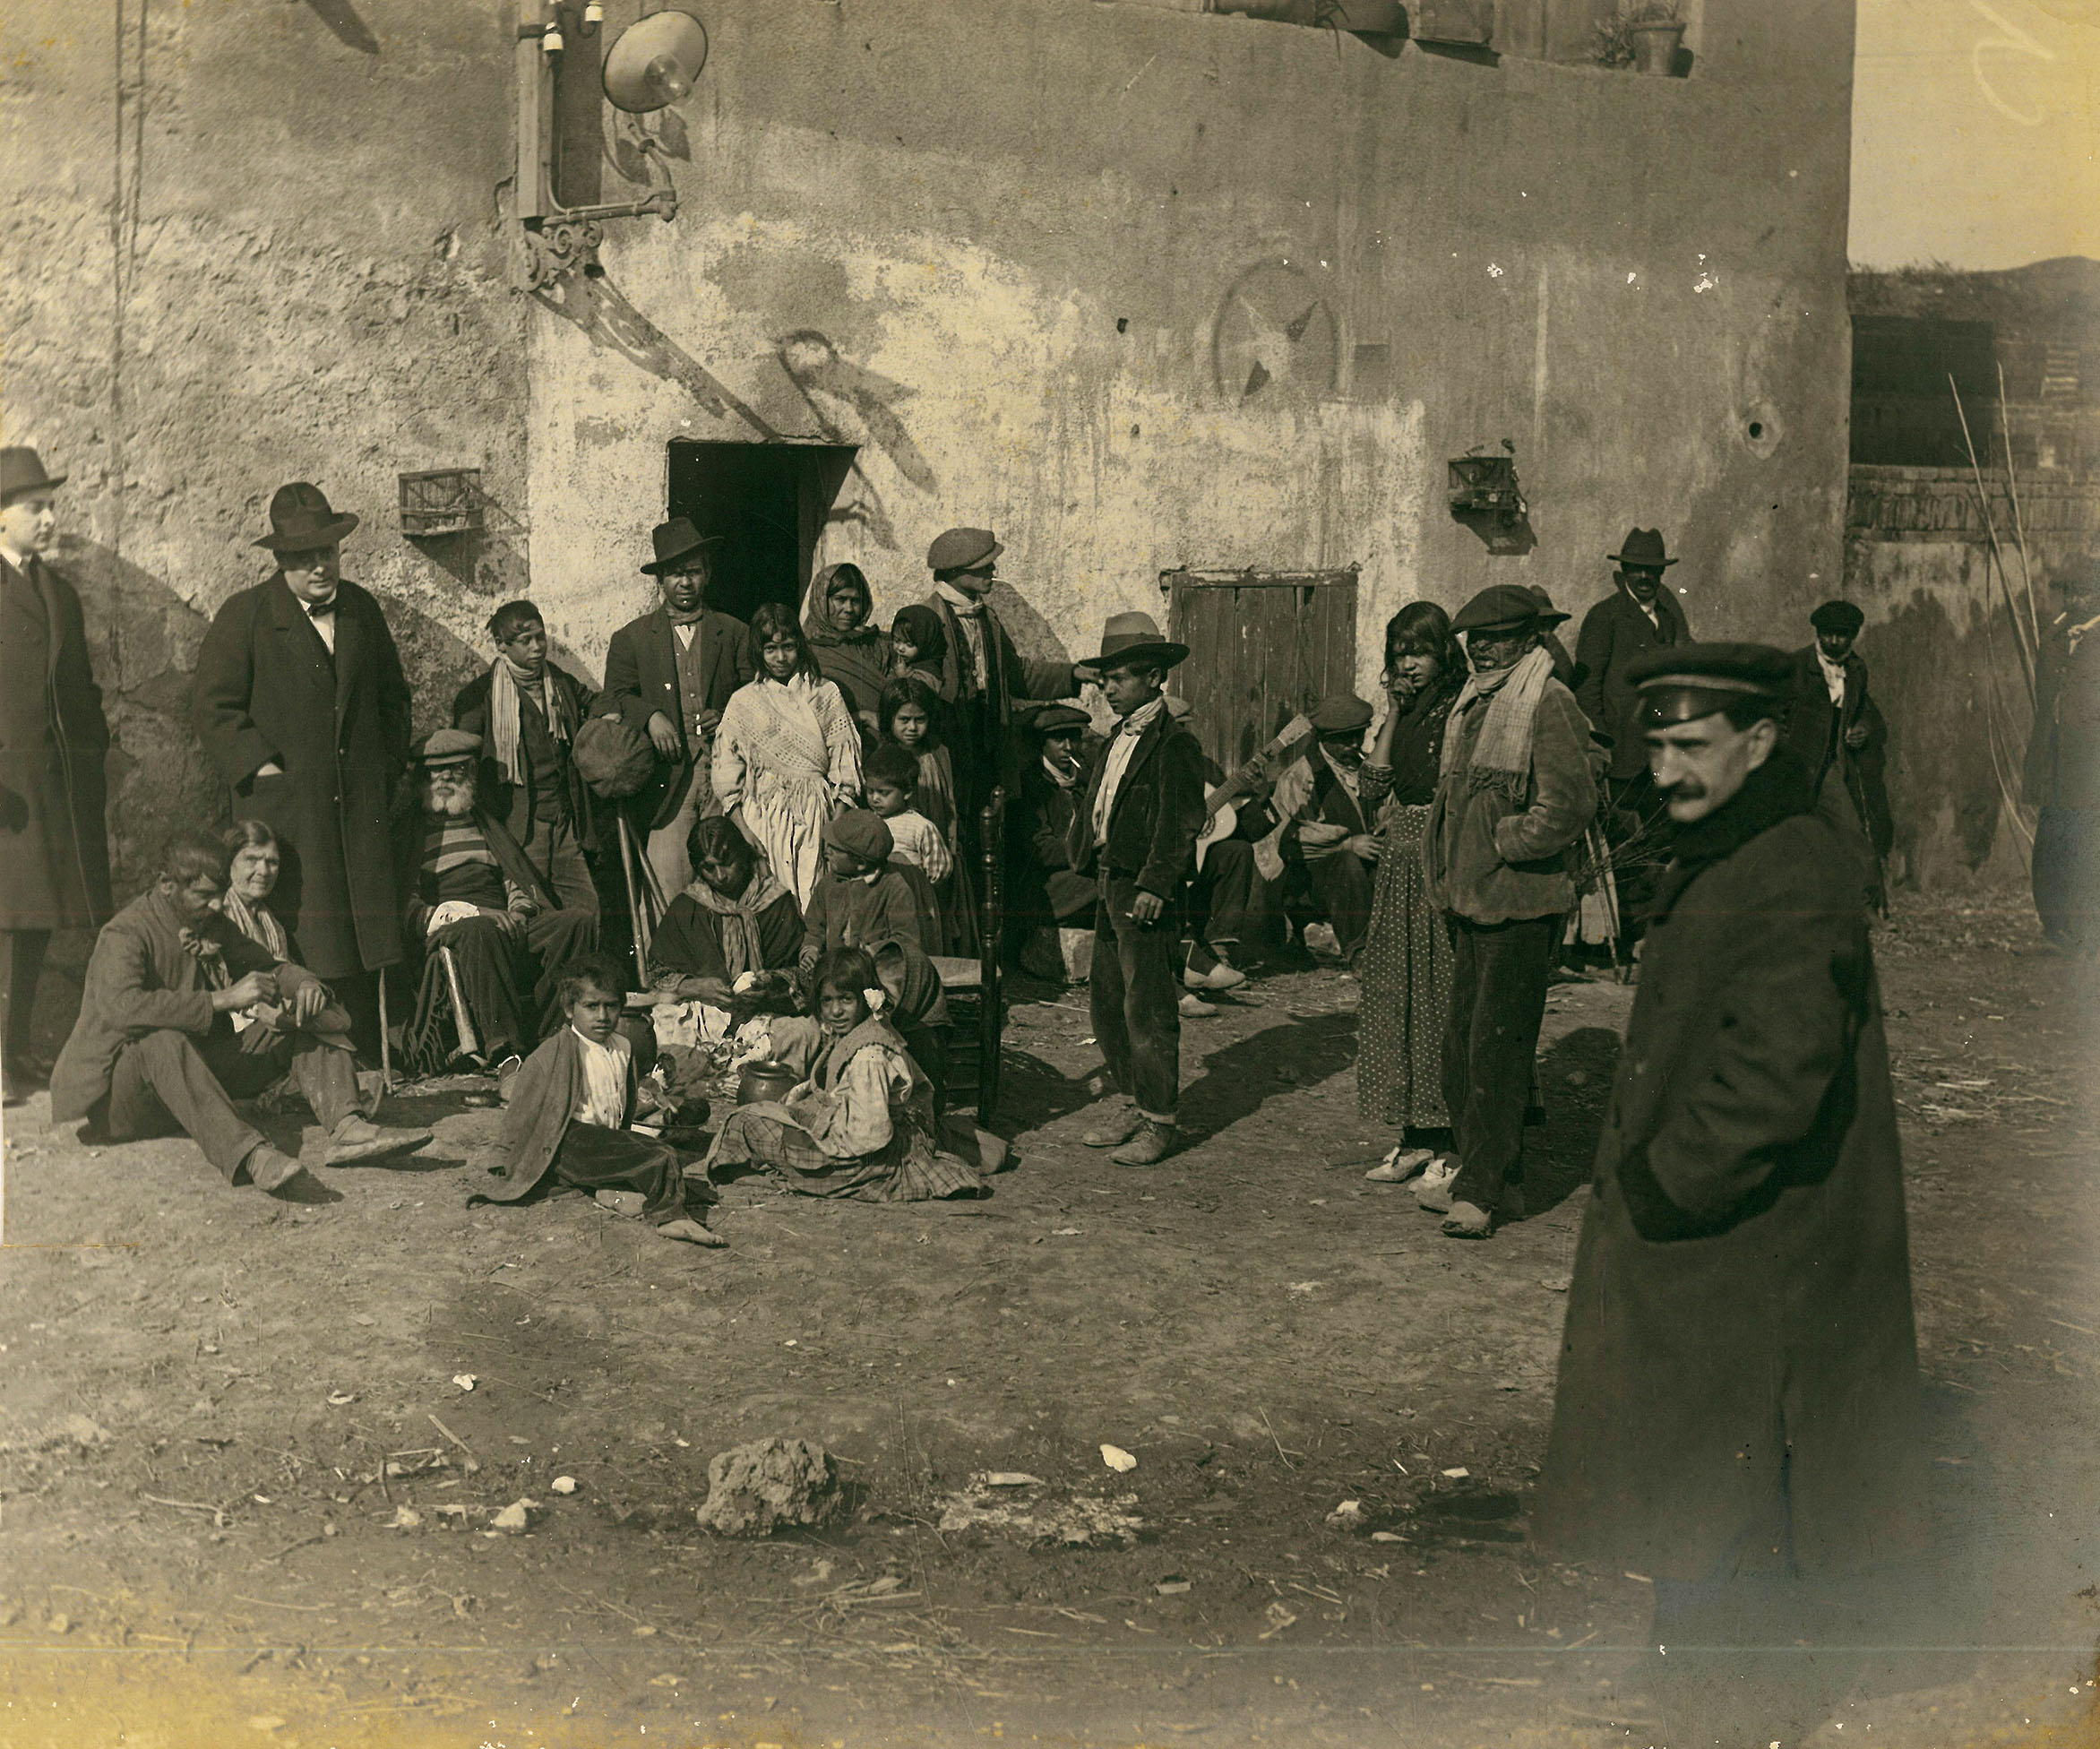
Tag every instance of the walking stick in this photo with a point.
(469, 1040)
(630, 854)
(385, 1049)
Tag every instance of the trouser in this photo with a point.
(1225, 904)
(170, 1084)
(510, 984)
(668, 849)
(2067, 876)
(1342, 886)
(24, 950)
(1499, 976)
(1135, 1000)
(1835, 806)
(556, 856)
(594, 1157)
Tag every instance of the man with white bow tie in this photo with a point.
(300, 700)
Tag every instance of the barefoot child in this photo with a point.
(570, 1107)
(861, 1122)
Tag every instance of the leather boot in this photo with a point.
(1148, 1145)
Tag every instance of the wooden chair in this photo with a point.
(976, 988)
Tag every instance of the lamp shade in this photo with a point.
(655, 61)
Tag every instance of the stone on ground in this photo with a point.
(769, 1484)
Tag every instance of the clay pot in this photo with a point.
(765, 1082)
(1654, 48)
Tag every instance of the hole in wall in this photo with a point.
(1756, 429)
(1123, 324)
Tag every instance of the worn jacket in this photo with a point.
(1490, 859)
(991, 750)
(416, 901)
(642, 678)
(512, 803)
(1815, 736)
(2063, 766)
(896, 906)
(1614, 634)
(1157, 813)
(544, 1096)
(266, 689)
(1739, 1370)
(54, 849)
(1043, 887)
(141, 979)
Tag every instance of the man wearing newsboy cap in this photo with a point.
(1737, 1413)
(54, 851)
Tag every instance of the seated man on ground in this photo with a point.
(863, 897)
(1228, 898)
(1312, 835)
(1045, 896)
(156, 1052)
(493, 936)
(862, 1120)
(570, 1110)
(735, 932)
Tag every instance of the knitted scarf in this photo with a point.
(1501, 751)
(503, 716)
(258, 923)
(739, 916)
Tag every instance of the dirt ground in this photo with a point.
(248, 1499)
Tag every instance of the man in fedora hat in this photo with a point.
(1836, 730)
(1135, 833)
(54, 850)
(1737, 1412)
(1513, 797)
(668, 675)
(1639, 616)
(2063, 769)
(299, 700)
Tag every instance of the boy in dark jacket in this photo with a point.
(1135, 833)
(862, 898)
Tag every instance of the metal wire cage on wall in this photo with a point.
(441, 501)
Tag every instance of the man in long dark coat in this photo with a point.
(54, 851)
(300, 702)
(668, 675)
(1737, 1414)
(2062, 770)
(1835, 730)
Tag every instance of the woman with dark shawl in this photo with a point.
(1404, 970)
(839, 619)
(734, 926)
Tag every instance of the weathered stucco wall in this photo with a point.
(1027, 255)
(244, 249)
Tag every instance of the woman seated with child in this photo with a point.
(861, 1121)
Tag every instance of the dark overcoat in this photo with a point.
(2063, 765)
(1815, 735)
(512, 803)
(989, 752)
(267, 689)
(642, 678)
(1614, 634)
(53, 848)
(1739, 1366)
(1157, 812)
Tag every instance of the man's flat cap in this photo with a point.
(1059, 719)
(963, 549)
(862, 833)
(1688, 681)
(1503, 605)
(448, 747)
(1840, 618)
(1342, 713)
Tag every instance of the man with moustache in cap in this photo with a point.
(54, 850)
(1737, 1414)
(668, 675)
(299, 700)
(1836, 731)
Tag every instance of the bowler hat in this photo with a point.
(1501, 606)
(1688, 681)
(448, 747)
(1059, 719)
(1840, 618)
(963, 549)
(301, 519)
(1644, 547)
(1342, 713)
(1135, 638)
(23, 470)
(861, 833)
(676, 540)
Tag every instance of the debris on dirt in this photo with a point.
(516, 1516)
(1306, 1287)
(1554, 1284)
(564, 1485)
(1064, 1232)
(406, 1518)
(1173, 1586)
(74, 1429)
(769, 1484)
(59, 1625)
(1279, 1618)
(464, 1380)
(338, 1398)
(1118, 1459)
(1387, 1536)
(1083, 1521)
(1347, 1516)
(1458, 1475)
(1008, 1478)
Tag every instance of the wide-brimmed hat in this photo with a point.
(448, 747)
(963, 549)
(1136, 638)
(23, 470)
(1839, 616)
(678, 540)
(1688, 681)
(1501, 606)
(302, 519)
(1340, 713)
(1642, 547)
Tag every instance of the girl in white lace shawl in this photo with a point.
(787, 753)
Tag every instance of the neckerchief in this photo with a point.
(503, 716)
(739, 915)
(1500, 755)
(257, 922)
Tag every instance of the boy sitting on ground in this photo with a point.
(571, 1105)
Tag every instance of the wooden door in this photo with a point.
(1263, 646)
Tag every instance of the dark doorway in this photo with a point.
(769, 501)
(1269, 645)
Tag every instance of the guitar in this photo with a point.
(1221, 815)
